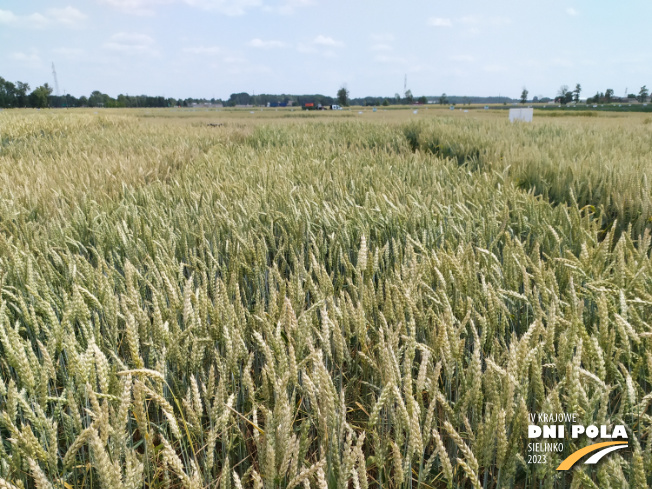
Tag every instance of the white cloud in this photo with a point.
(300, 3)
(67, 15)
(320, 46)
(572, 11)
(226, 7)
(35, 20)
(207, 50)
(439, 22)
(8, 17)
(260, 44)
(321, 40)
(131, 43)
(288, 7)
(31, 58)
(20, 56)
(148, 7)
(136, 7)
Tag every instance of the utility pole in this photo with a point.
(56, 82)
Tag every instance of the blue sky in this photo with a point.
(212, 48)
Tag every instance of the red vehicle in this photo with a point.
(313, 106)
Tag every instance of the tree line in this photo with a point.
(567, 96)
(20, 94)
(608, 96)
(342, 98)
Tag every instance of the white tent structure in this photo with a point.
(524, 115)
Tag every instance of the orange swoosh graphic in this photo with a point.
(575, 456)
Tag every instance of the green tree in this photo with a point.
(524, 96)
(242, 98)
(608, 95)
(385, 103)
(423, 100)
(99, 99)
(10, 90)
(21, 94)
(576, 93)
(409, 98)
(595, 99)
(564, 95)
(6, 93)
(95, 99)
(343, 96)
(443, 99)
(39, 97)
(642, 94)
(561, 94)
(397, 97)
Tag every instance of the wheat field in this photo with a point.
(293, 300)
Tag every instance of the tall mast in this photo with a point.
(56, 82)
